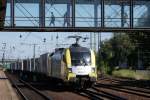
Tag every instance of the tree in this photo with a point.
(142, 51)
(122, 47)
(115, 51)
(104, 56)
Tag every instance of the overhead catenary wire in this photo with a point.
(86, 11)
(25, 15)
(48, 9)
(84, 19)
(28, 12)
(55, 10)
(27, 36)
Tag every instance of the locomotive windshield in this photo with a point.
(80, 58)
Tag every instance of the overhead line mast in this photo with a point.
(34, 48)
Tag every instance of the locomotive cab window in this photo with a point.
(80, 58)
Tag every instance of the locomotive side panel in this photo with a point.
(63, 70)
(58, 66)
(49, 66)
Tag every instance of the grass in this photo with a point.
(126, 73)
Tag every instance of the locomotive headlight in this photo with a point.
(70, 70)
(93, 70)
(88, 59)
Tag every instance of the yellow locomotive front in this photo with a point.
(81, 65)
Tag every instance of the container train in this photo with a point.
(75, 64)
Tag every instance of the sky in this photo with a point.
(17, 47)
(22, 47)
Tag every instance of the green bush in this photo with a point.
(103, 67)
(126, 73)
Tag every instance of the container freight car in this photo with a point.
(13, 66)
(45, 65)
(20, 65)
(25, 65)
(37, 65)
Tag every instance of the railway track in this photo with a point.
(110, 88)
(138, 89)
(126, 89)
(96, 94)
(105, 89)
(127, 84)
(28, 92)
(55, 92)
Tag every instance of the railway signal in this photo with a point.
(44, 40)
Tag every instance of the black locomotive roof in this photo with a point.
(79, 49)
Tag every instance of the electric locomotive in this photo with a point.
(75, 64)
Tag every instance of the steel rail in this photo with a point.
(36, 90)
(30, 87)
(18, 89)
(101, 94)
